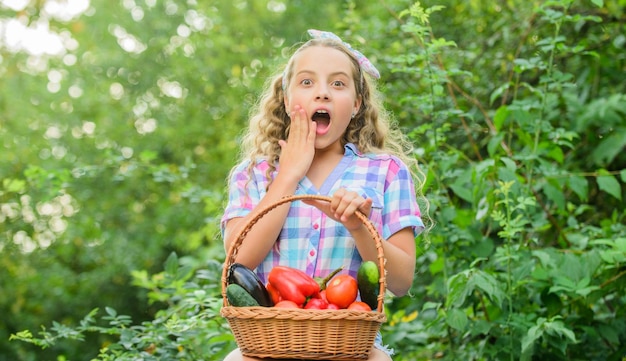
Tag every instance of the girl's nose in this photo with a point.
(323, 93)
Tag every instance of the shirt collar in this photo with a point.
(351, 148)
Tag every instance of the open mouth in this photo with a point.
(322, 118)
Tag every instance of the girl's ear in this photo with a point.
(357, 104)
(286, 100)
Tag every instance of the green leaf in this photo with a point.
(490, 286)
(21, 335)
(495, 143)
(14, 185)
(612, 257)
(579, 185)
(110, 311)
(171, 264)
(583, 288)
(552, 302)
(603, 242)
(609, 148)
(620, 244)
(610, 185)
(477, 261)
(480, 327)
(431, 305)
(456, 319)
(509, 163)
(563, 284)
(501, 116)
(498, 120)
(556, 153)
(598, 3)
(147, 156)
(559, 328)
(463, 191)
(437, 265)
(528, 341)
(458, 289)
(609, 333)
(184, 272)
(555, 195)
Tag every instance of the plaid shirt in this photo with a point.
(311, 241)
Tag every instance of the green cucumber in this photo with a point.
(237, 296)
(368, 278)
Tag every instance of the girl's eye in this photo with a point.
(338, 83)
(306, 82)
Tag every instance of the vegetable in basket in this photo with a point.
(246, 278)
(239, 297)
(274, 295)
(316, 304)
(293, 284)
(368, 278)
(324, 281)
(342, 290)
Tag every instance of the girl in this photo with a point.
(320, 128)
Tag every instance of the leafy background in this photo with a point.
(115, 151)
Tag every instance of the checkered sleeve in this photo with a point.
(243, 194)
(400, 205)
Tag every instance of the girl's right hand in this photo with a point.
(343, 206)
(298, 150)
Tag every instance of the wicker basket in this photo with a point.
(298, 333)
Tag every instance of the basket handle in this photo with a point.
(234, 247)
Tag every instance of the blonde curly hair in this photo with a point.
(372, 129)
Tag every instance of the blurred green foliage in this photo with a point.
(115, 153)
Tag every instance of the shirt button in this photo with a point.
(316, 226)
(312, 253)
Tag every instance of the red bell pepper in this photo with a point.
(293, 284)
(274, 295)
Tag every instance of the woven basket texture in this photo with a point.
(281, 333)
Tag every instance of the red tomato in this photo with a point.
(342, 290)
(358, 305)
(316, 304)
(332, 306)
(286, 304)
